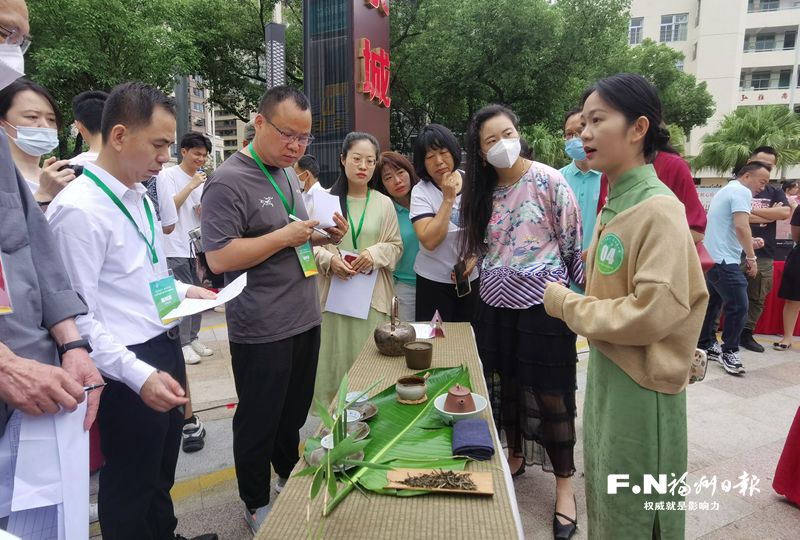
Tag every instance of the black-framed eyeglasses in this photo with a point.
(13, 37)
(290, 137)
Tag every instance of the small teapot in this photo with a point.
(459, 400)
(391, 336)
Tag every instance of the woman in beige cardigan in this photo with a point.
(374, 238)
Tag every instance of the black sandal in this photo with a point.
(565, 532)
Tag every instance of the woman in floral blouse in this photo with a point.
(521, 218)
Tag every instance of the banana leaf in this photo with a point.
(404, 436)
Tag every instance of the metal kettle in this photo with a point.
(391, 336)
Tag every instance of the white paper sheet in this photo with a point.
(323, 206)
(49, 496)
(191, 306)
(73, 455)
(37, 475)
(353, 296)
(423, 330)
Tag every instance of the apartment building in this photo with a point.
(230, 129)
(744, 50)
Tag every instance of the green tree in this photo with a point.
(450, 57)
(96, 44)
(747, 128)
(231, 56)
(686, 102)
(547, 145)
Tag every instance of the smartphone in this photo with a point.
(463, 286)
(77, 169)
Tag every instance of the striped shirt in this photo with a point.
(533, 238)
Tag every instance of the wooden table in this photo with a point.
(409, 518)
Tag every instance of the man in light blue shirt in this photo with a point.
(727, 235)
(584, 181)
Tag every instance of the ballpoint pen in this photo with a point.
(320, 231)
(94, 387)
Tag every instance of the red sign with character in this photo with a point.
(380, 5)
(374, 73)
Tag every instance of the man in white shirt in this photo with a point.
(307, 170)
(87, 107)
(111, 243)
(182, 184)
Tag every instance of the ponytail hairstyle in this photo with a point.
(479, 183)
(633, 96)
(340, 187)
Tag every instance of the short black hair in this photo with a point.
(766, 150)
(195, 140)
(309, 163)
(87, 108)
(279, 94)
(8, 93)
(132, 104)
(569, 114)
(434, 137)
(752, 167)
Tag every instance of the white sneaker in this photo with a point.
(189, 356)
(257, 518)
(201, 349)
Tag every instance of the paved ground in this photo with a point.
(736, 424)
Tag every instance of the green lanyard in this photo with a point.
(354, 234)
(289, 209)
(151, 244)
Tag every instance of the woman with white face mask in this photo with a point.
(30, 117)
(521, 219)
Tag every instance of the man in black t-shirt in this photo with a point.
(769, 206)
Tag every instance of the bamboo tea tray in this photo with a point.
(482, 480)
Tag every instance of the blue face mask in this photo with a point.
(574, 148)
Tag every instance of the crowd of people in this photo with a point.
(96, 249)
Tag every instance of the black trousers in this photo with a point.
(432, 295)
(275, 385)
(141, 449)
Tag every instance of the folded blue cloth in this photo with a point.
(472, 438)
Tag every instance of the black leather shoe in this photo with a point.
(747, 341)
(565, 532)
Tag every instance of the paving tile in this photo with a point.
(778, 521)
(752, 384)
(729, 434)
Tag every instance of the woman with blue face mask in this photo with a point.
(30, 117)
(521, 219)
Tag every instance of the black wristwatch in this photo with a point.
(77, 344)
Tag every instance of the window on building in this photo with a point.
(789, 39)
(635, 30)
(785, 78)
(679, 64)
(742, 80)
(760, 80)
(197, 107)
(763, 5)
(765, 42)
(198, 92)
(674, 27)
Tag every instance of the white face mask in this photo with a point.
(504, 153)
(12, 64)
(35, 141)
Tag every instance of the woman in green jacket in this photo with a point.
(644, 306)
